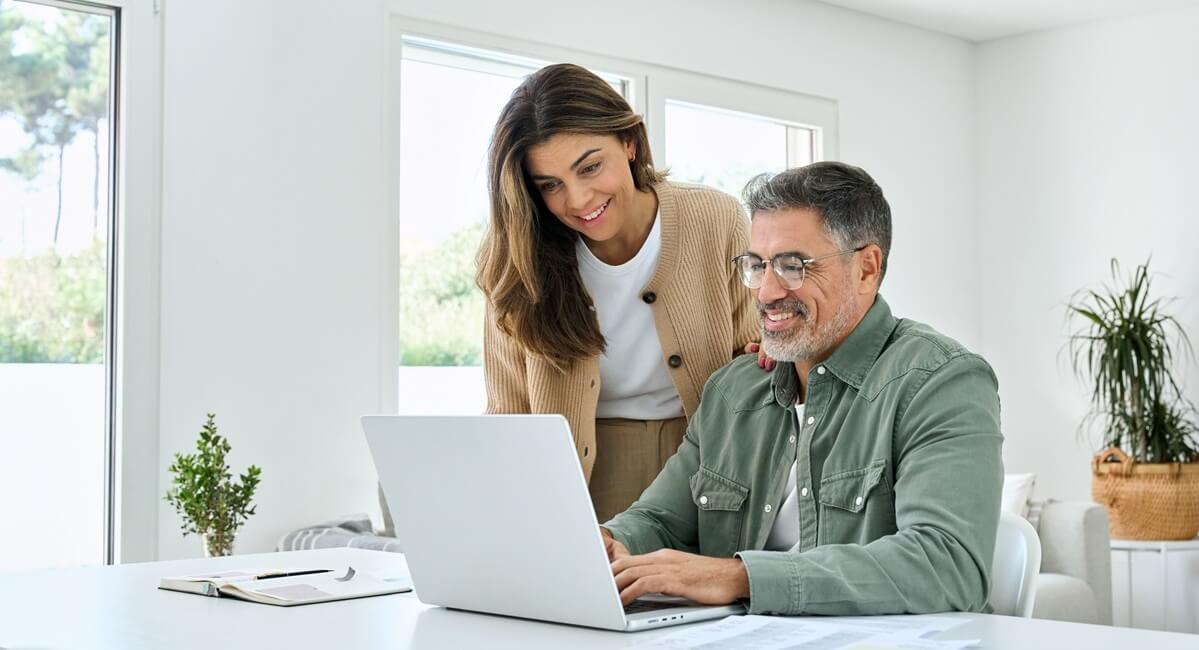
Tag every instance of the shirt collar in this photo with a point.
(851, 361)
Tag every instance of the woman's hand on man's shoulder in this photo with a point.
(764, 361)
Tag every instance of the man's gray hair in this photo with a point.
(853, 209)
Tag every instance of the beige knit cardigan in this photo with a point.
(703, 315)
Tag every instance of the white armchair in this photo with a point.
(1075, 583)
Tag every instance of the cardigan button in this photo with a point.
(675, 361)
(649, 297)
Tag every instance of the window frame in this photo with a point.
(136, 276)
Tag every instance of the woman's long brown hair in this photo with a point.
(527, 265)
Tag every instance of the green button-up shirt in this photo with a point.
(898, 475)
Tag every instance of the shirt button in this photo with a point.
(803, 492)
(649, 297)
(675, 361)
(767, 508)
(820, 370)
(703, 501)
(811, 419)
(858, 501)
(791, 440)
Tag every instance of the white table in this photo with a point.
(120, 607)
(1163, 549)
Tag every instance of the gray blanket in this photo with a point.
(353, 531)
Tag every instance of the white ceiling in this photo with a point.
(984, 20)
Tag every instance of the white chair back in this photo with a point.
(1015, 567)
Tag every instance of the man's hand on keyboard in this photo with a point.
(705, 580)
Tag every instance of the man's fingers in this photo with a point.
(633, 574)
(626, 562)
(641, 586)
(616, 550)
(661, 556)
(612, 546)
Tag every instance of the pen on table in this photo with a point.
(291, 573)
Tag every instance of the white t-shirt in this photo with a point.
(634, 382)
(784, 534)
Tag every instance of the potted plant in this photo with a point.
(213, 506)
(1148, 474)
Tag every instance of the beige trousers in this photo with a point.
(628, 456)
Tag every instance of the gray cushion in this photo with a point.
(1074, 542)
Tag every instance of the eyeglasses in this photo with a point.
(789, 267)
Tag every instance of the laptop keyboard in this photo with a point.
(638, 606)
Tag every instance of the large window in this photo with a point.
(56, 230)
(712, 131)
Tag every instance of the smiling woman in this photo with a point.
(589, 250)
(602, 202)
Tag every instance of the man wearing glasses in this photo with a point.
(863, 474)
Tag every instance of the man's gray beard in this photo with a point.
(807, 341)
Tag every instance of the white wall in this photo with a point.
(271, 255)
(274, 203)
(1087, 145)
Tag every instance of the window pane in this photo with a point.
(443, 214)
(719, 148)
(54, 188)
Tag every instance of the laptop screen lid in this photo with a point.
(493, 515)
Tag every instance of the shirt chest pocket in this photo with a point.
(720, 502)
(856, 507)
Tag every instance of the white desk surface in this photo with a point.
(120, 607)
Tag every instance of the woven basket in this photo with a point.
(1149, 501)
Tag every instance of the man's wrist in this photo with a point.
(740, 578)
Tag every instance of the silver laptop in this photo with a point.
(493, 515)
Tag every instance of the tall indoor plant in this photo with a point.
(1126, 348)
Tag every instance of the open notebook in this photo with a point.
(287, 587)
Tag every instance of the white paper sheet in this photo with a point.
(777, 633)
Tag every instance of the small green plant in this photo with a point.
(204, 493)
(1126, 347)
